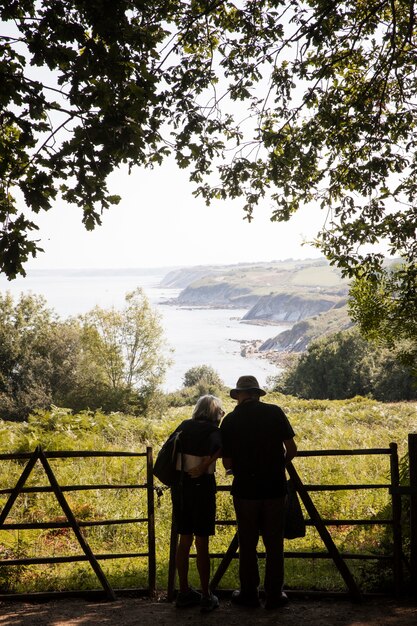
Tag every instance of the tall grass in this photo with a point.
(357, 423)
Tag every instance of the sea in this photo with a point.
(194, 336)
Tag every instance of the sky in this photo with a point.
(159, 223)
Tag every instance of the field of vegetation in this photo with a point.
(307, 278)
(355, 423)
(262, 278)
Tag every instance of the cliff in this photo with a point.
(309, 295)
(297, 338)
(290, 307)
(220, 294)
(279, 288)
(289, 292)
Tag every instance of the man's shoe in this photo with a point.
(276, 601)
(188, 598)
(209, 603)
(242, 599)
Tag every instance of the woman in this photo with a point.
(194, 498)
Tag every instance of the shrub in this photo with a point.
(344, 365)
(204, 378)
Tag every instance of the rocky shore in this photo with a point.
(250, 349)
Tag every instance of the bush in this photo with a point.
(198, 381)
(183, 397)
(205, 378)
(344, 365)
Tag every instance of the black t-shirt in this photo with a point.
(199, 437)
(252, 436)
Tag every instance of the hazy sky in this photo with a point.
(159, 223)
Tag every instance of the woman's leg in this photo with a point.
(203, 563)
(182, 561)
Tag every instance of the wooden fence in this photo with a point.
(76, 525)
(315, 519)
(395, 559)
(411, 492)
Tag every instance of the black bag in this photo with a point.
(166, 461)
(294, 525)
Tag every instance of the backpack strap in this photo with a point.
(178, 450)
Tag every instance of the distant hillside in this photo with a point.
(242, 285)
(217, 294)
(182, 277)
(308, 294)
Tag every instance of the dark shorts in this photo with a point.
(194, 505)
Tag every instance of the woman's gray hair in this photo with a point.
(208, 408)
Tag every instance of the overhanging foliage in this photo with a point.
(290, 101)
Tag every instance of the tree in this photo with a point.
(201, 380)
(343, 365)
(126, 350)
(294, 102)
(38, 356)
(202, 374)
(385, 309)
(112, 360)
(331, 368)
(198, 381)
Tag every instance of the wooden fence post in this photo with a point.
(151, 522)
(396, 518)
(412, 456)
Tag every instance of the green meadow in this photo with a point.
(320, 425)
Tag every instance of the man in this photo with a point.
(258, 441)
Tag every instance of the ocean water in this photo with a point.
(196, 336)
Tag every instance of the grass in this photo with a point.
(356, 423)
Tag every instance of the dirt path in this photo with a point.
(136, 611)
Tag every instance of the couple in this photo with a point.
(255, 441)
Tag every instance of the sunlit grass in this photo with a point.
(352, 424)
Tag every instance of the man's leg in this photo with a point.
(247, 517)
(272, 531)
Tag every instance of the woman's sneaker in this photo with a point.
(188, 598)
(209, 603)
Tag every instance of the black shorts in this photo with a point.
(194, 505)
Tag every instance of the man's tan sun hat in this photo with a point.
(246, 383)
